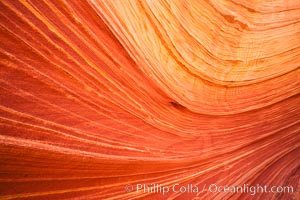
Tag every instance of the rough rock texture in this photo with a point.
(95, 95)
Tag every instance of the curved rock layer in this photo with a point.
(96, 95)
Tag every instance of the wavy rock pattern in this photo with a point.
(99, 94)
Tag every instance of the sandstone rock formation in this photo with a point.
(96, 95)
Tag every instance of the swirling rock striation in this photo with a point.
(96, 95)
